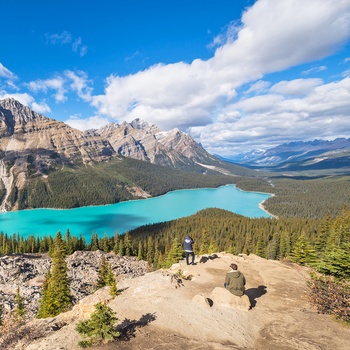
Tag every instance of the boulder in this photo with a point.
(221, 296)
(202, 300)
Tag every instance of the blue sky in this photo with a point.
(235, 74)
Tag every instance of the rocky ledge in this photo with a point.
(27, 271)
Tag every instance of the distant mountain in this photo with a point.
(34, 149)
(317, 154)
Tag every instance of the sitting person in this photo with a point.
(235, 281)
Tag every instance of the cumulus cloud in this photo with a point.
(272, 36)
(322, 111)
(55, 84)
(79, 84)
(258, 87)
(28, 101)
(41, 108)
(95, 122)
(61, 85)
(296, 87)
(23, 98)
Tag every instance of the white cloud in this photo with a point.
(66, 38)
(314, 70)
(23, 98)
(258, 87)
(95, 122)
(27, 100)
(268, 120)
(56, 84)
(273, 36)
(41, 108)
(79, 84)
(6, 73)
(78, 47)
(63, 38)
(296, 87)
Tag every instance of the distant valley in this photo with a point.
(314, 155)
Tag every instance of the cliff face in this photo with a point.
(24, 131)
(144, 141)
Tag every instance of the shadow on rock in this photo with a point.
(254, 293)
(128, 327)
(205, 258)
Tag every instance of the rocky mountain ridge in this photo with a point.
(316, 154)
(33, 146)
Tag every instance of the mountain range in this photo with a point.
(297, 156)
(34, 149)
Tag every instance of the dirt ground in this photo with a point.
(281, 316)
(157, 312)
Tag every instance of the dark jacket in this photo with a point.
(188, 244)
(235, 282)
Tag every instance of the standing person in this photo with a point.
(188, 242)
(235, 281)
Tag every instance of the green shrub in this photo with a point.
(100, 327)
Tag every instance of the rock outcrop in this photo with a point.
(156, 313)
(28, 272)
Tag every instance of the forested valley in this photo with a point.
(321, 243)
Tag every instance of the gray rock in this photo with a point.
(27, 271)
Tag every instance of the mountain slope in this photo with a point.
(143, 141)
(298, 156)
(46, 163)
(159, 311)
(23, 131)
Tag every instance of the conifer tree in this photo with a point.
(69, 243)
(56, 297)
(336, 261)
(150, 250)
(104, 243)
(121, 250)
(284, 245)
(42, 311)
(127, 244)
(303, 253)
(99, 327)
(260, 247)
(140, 251)
(274, 247)
(113, 288)
(102, 273)
(173, 255)
(204, 243)
(109, 275)
(116, 243)
(20, 309)
(213, 247)
(94, 242)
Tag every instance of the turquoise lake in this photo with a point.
(125, 216)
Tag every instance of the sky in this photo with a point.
(237, 75)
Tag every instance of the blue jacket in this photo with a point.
(188, 244)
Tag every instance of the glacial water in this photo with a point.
(124, 216)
